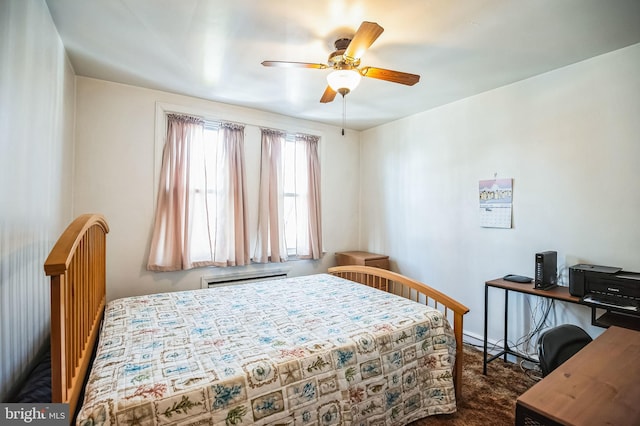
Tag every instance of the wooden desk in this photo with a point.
(556, 293)
(600, 385)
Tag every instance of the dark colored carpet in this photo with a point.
(486, 400)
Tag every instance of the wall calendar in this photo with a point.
(495, 203)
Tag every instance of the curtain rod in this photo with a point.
(218, 121)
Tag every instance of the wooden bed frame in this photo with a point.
(401, 285)
(77, 266)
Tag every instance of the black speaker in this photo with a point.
(546, 270)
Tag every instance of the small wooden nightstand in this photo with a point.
(362, 258)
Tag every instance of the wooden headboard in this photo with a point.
(401, 285)
(77, 267)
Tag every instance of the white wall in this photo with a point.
(36, 158)
(570, 141)
(117, 158)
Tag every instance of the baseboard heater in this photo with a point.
(243, 277)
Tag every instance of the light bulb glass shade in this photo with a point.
(344, 79)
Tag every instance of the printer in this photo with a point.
(607, 287)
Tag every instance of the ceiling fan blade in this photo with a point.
(390, 75)
(286, 64)
(363, 38)
(328, 95)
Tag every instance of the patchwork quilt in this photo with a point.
(313, 350)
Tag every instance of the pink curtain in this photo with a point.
(201, 215)
(169, 243)
(231, 240)
(309, 236)
(270, 244)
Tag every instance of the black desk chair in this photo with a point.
(558, 344)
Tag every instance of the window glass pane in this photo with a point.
(291, 167)
(204, 183)
(290, 224)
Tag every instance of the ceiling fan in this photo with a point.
(345, 61)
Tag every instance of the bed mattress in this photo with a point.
(313, 350)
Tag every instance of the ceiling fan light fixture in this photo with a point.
(339, 80)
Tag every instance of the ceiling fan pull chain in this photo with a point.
(344, 113)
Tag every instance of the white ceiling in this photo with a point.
(212, 49)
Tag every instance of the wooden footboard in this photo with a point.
(77, 268)
(411, 289)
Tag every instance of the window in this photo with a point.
(293, 192)
(201, 213)
(207, 191)
(289, 217)
(201, 217)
